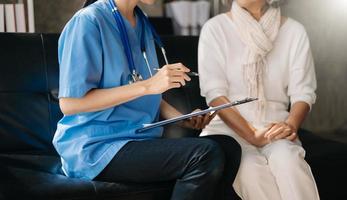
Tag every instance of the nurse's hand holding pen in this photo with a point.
(168, 77)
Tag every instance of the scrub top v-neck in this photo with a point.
(91, 56)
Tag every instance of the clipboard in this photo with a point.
(183, 117)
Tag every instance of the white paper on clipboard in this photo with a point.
(203, 112)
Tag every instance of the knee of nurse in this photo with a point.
(237, 151)
(230, 147)
(232, 151)
(213, 157)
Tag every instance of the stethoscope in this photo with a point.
(135, 76)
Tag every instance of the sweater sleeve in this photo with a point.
(302, 77)
(213, 81)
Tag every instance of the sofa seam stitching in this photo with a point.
(47, 83)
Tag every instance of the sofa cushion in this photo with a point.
(24, 122)
(24, 110)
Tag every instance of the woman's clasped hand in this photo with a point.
(274, 132)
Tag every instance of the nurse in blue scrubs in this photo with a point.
(107, 92)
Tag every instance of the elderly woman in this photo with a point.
(254, 51)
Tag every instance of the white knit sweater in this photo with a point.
(289, 75)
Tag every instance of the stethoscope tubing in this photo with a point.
(125, 39)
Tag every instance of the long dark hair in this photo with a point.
(88, 2)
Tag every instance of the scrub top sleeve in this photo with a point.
(211, 62)
(302, 76)
(80, 57)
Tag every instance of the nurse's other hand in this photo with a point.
(167, 77)
(281, 130)
(198, 122)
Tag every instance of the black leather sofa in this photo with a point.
(29, 111)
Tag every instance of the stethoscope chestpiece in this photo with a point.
(134, 77)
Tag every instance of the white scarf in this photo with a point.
(258, 36)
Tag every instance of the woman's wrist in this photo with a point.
(251, 137)
(257, 141)
(292, 124)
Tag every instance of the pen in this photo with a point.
(189, 73)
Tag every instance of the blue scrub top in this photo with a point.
(91, 55)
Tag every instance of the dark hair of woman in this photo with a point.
(88, 2)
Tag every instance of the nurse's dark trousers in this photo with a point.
(204, 168)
